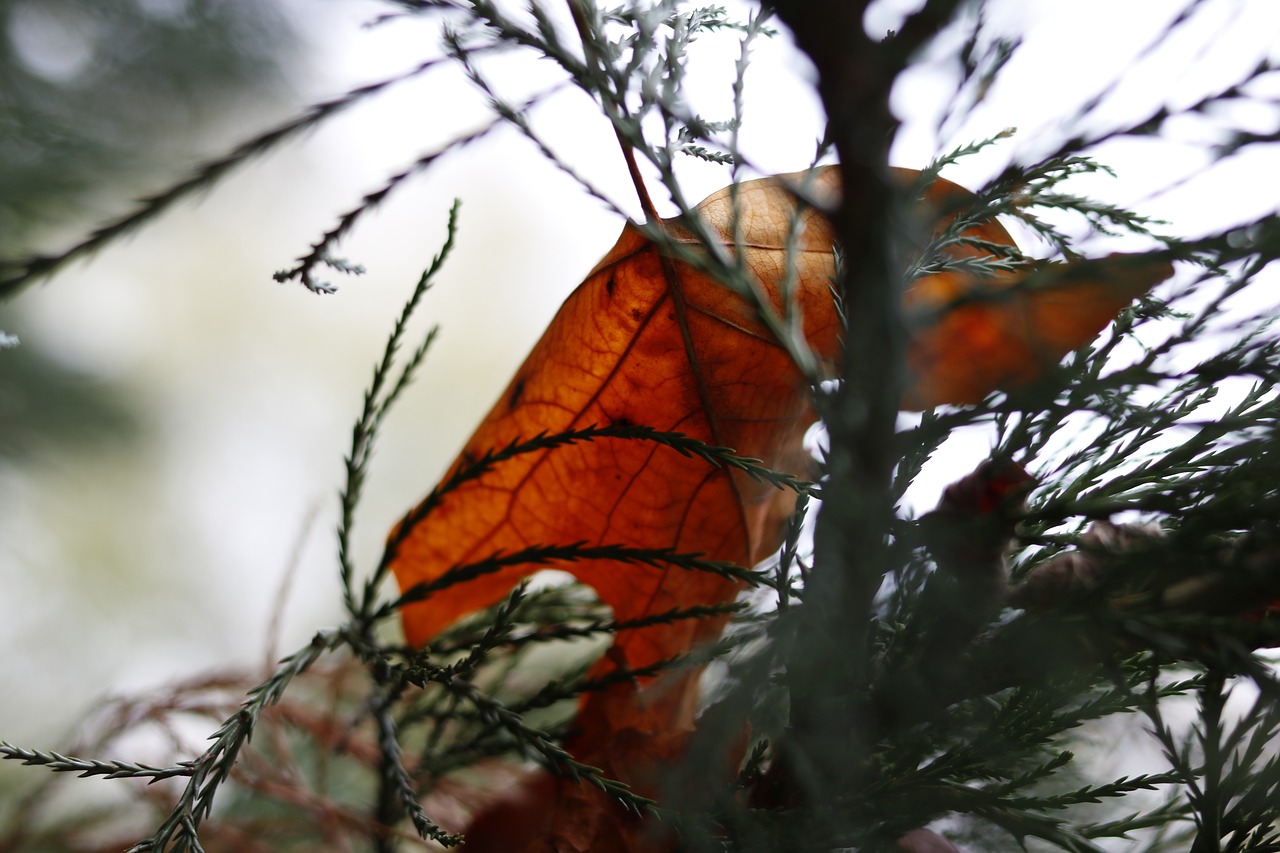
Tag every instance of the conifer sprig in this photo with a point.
(377, 404)
(18, 273)
(86, 767)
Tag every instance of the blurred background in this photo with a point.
(173, 422)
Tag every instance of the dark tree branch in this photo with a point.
(831, 723)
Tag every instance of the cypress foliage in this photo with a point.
(906, 677)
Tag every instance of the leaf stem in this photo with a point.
(628, 150)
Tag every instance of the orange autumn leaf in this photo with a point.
(639, 343)
(643, 341)
(648, 340)
(652, 342)
(971, 336)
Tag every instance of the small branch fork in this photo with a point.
(588, 36)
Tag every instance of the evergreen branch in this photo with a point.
(17, 273)
(560, 690)
(749, 772)
(1093, 793)
(537, 742)
(179, 832)
(376, 406)
(1156, 444)
(1233, 797)
(304, 270)
(601, 66)
(789, 556)
(627, 128)
(497, 634)
(1171, 812)
(1022, 825)
(557, 691)
(658, 558)
(929, 174)
(514, 117)
(682, 444)
(399, 783)
(86, 767)
(567, 631)
(721, 457)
